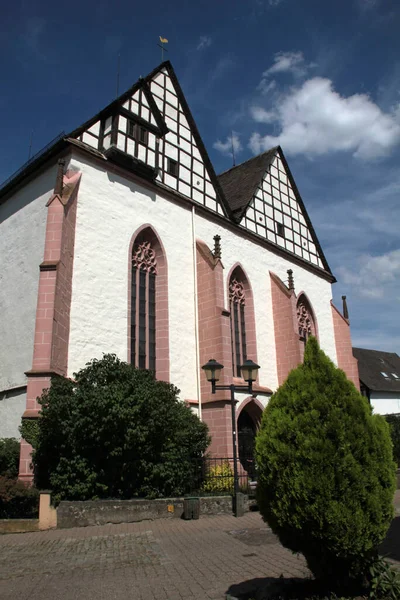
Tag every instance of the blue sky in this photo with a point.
(320, 78)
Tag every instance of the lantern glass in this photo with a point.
(212, 370)
(249, 370)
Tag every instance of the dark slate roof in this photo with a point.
(371, 364)
(240, 183)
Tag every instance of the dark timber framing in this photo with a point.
(115, 108)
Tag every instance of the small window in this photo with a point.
(172, 167)
(395, 375)
(143, 135)
(132, 129)
(385, 375)
(280, 229)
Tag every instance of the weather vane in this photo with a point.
(163, 41)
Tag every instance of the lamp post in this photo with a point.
(249, 373)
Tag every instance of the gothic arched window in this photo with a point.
(148, 344)
(237, 307)
(305, 321)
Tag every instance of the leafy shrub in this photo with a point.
(17, 501)
(29, 431)
(326, 474)
(219, 478)
(9, 457)
(394, 424)
(115, 432)
(384, 581)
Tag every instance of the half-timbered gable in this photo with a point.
(265, 200)
(184, 163)
(151, 123)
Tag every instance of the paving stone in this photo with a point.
(158, 560)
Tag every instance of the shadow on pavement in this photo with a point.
(390, 547)
(263, 588)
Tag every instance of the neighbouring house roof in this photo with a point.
(378, 370)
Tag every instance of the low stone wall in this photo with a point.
(18, 525)
(101, 512)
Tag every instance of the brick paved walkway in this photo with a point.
(152, 560)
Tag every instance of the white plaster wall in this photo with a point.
(110, 210)
(12, 407)
(22, 234)
(257, 262)
(242, 397)
(385, 403)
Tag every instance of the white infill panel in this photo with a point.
(91, 135)
(183, 165)
(134, 137)
(275, 214)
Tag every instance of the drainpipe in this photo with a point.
(196, 313)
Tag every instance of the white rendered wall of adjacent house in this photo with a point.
(385, 403)
(22, 233)
(110, 210)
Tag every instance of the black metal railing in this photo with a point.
(215, 476)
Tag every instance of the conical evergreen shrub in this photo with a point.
(326, 473)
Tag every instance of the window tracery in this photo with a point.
(237, 301)
(143, 306)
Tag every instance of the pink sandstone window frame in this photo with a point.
(156, 262)
(306, 321)
(240, 293)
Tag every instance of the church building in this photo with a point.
(120, 238)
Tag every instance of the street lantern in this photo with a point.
(249, 372)
(212, 370)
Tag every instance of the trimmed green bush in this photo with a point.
(9, 457)
(394, 424)
(17, 501)
(115, 432)
(326, 476)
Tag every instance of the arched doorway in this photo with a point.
(247, 426)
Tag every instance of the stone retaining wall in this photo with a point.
(100, 512)
(18, 525)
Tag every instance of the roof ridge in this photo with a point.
(248, 160)
(119, 99)
(375, 350)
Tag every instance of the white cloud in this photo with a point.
(260, 115)
(316, 120)
(226, 147)
(284, 62)
(205, 41)
(288, 62)
(266, 86)
(374, 274)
